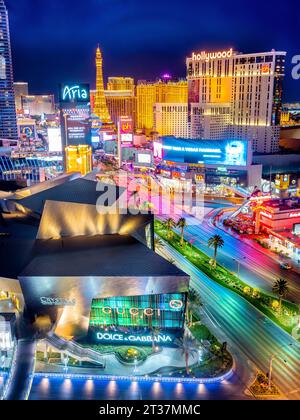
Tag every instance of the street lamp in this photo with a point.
(238, 265)
(272, 357)
(135, 364)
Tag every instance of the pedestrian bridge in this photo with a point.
(75, 350)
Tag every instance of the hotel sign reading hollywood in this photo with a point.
(204, 56)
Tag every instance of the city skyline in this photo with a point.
(149, 203)
(146, 56)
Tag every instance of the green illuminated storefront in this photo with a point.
(134, 318)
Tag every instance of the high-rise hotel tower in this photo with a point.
(120, 98)
(8, 121)
(158, 92)
(236, 95)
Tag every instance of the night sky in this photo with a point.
(54, 41)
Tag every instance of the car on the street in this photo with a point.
(286, 266)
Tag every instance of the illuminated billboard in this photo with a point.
(209, 152)
(144, 158)
(75, 114)
(78, 129)
(161, 311)
(74, 93)
(27, 129)
(54, 139)
(126, 130)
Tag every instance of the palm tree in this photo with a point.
(182, 224)
(281, 289)
(154, 333)
(158, 243)
(193, 303)
(188, 346)
(216, 242)
(169, 225)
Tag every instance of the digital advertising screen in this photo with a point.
(209, 152)
(163, 311)
(78, 129)
(27, 131)
(144, 158)
(54, 139)
(126, 129)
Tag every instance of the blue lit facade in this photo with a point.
(8, 121)
(30, 168)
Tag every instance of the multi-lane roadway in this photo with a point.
(254, 266)
(251, 336)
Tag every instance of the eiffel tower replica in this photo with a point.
(100, 107)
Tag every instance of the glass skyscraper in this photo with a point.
(8, 121)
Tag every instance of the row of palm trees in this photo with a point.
(280, 286)
(170, 224)
(214, 242)
(188, 346)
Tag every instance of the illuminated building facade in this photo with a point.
(120, 83)
(75, 115)
(120, 98)
(96, 277)
(171, 119)
(158, 311)
(79, 159)
(226, 162)
(21, 89)
(238, 95)
(150, 93)
(32, 169)
(37, 105)
(290, 115)
(8, 121)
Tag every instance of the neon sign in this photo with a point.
(126, 129)
(119, 337)
(294, 215)
(204, 56)
(265, 69)
(175, 304)
(73, 93)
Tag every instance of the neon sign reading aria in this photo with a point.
(75, 93)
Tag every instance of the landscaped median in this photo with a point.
(286, 318)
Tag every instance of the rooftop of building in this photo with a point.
(100, 255)
(80, 190)
(283, 204)
(288, 236)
